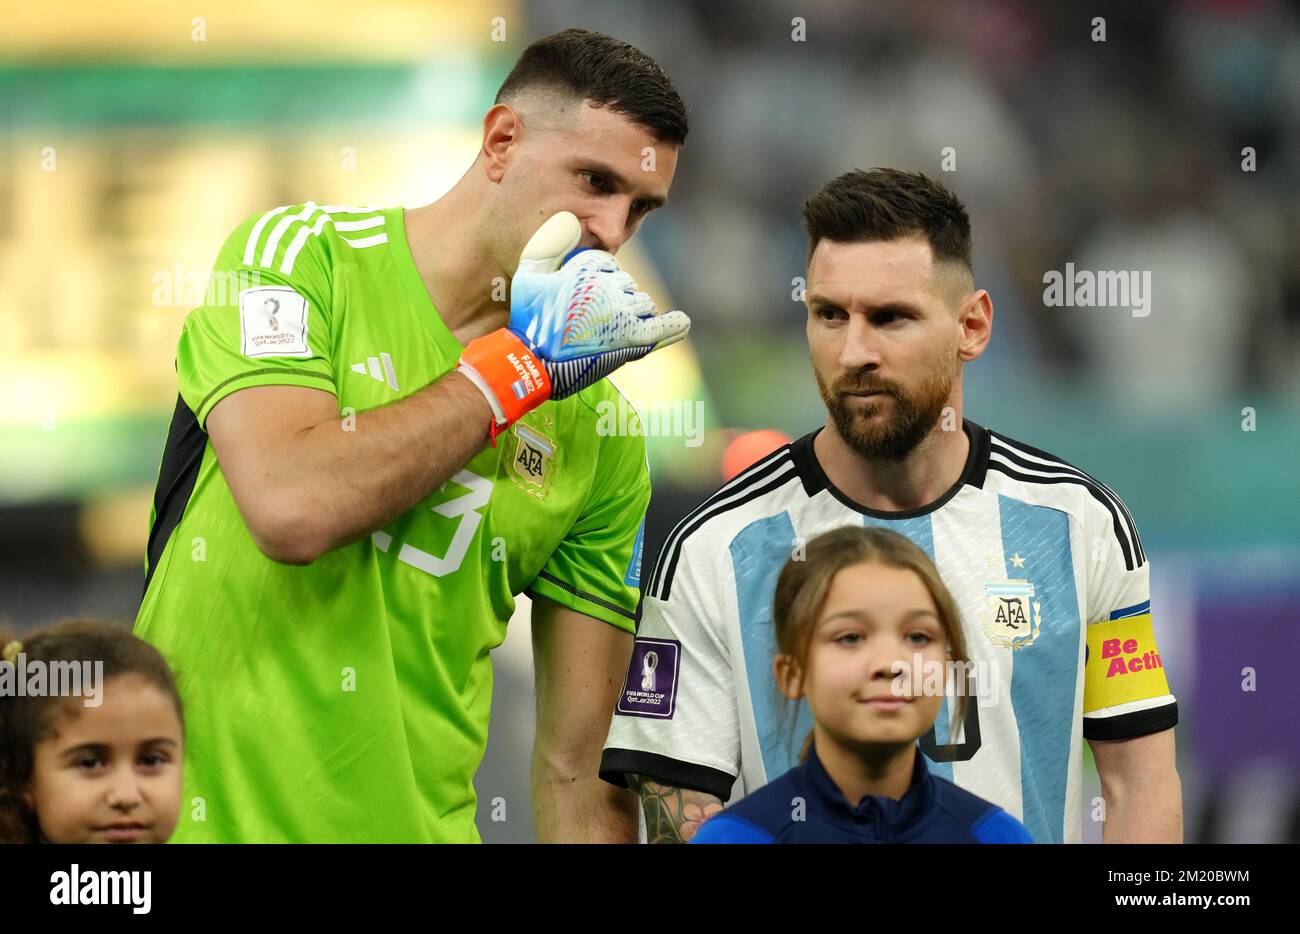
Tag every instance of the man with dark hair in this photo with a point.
(1043, 560)
(378, 449)
(606, 73)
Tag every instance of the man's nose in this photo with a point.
(608, 227)
(859, 350)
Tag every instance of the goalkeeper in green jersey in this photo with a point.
(373, 452)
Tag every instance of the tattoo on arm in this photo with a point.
(673, 815)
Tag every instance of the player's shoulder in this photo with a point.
(287, 238)
(982, 819)
(770, 486)
(1031, 465)
(1029, 473)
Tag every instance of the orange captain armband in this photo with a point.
(511, 376)
(1123, 664)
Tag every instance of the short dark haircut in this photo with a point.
(885, 204)
(607, 73)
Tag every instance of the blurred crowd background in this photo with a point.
(1160, 137)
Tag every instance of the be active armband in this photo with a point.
(512, 378)
(1123, 664)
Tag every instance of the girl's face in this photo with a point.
(112, 773)
(875, 618)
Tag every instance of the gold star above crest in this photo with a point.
(1017, 561)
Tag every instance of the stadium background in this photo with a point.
(134, 137)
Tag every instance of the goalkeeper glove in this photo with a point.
(574, 318)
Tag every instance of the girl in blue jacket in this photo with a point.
(861, 623)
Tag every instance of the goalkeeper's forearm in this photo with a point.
(581, 808)
(307, 484)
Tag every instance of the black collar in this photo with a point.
(815, 480)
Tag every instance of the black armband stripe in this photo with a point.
(1129, 725)
(617, 764)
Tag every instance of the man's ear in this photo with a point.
(502, 128)
(975, 318)
(789, 679)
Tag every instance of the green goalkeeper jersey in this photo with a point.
(348, 700)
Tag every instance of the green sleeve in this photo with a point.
(266, 316)
(597, 568)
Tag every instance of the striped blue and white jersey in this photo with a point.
(1048, 573)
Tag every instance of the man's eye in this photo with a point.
(153, 759)
(598, 182)
(828, 314)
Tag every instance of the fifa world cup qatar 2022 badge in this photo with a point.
(651, 686)
(1011, 614)
(273, 322)
(532, 460)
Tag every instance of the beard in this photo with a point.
(870, 428)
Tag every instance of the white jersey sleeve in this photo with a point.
(1125, 692)
(676, 721)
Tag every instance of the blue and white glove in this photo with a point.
(584, 318)
(576, 314)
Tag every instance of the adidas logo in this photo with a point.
(378, 368)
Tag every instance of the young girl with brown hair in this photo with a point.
(91, 737)
(863, 624)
